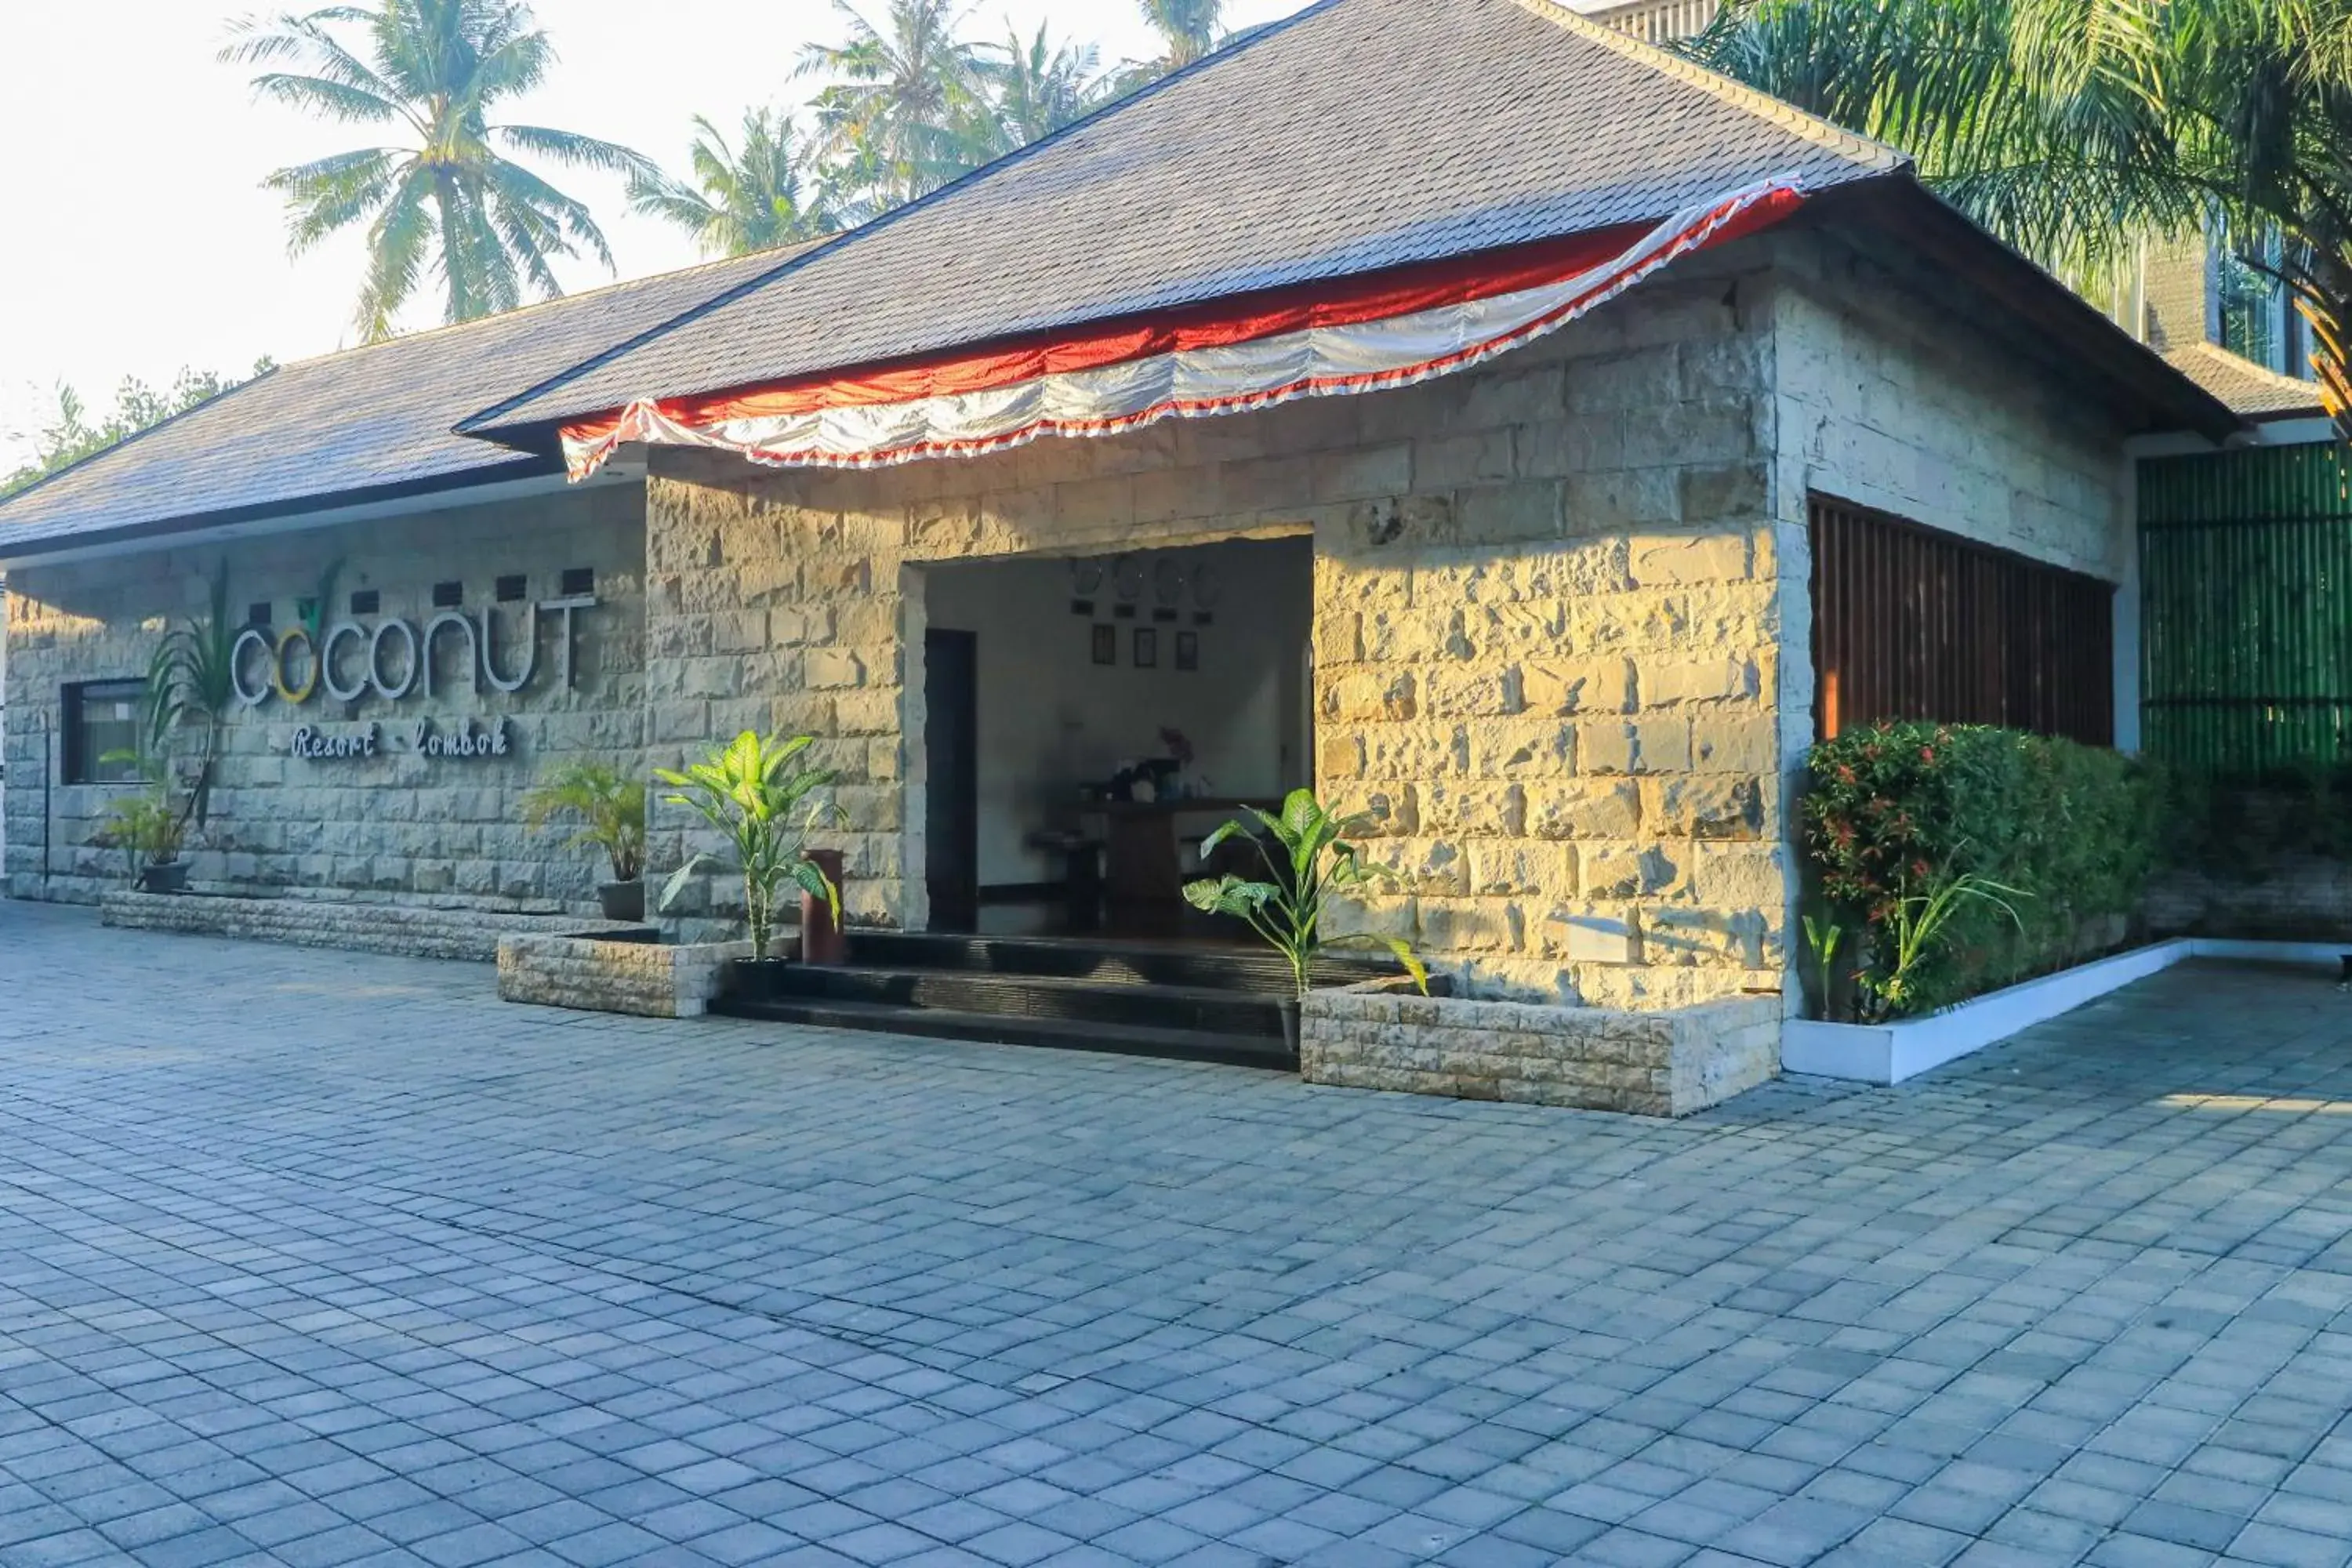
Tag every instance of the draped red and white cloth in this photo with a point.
(1321, 340)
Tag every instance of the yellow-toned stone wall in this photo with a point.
(1546, 632)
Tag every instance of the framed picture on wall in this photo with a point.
(1147, 647)
(1106, 644)
(1188, 651)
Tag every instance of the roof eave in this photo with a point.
(163, 530)
(2071, 331)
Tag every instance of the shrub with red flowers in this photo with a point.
(2066, 833)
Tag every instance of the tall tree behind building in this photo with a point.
(756, 195)
(137, 406)
(2070, 127)
(448, 203)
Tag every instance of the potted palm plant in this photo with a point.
(610, 808)
(151, 828)
(764, 799)
(1309, 861)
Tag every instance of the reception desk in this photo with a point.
(1148, 860)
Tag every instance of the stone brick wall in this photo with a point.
(1882, 403)
(2308, 899)
(1546, 632)
(395, 826)
(1662, 1063)
(2178, 287)
(645, 979)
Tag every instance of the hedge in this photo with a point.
(2068, 832)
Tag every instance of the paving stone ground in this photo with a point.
(314, 1258)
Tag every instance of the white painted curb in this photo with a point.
(1890, 1053)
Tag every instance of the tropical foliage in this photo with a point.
(755, 196)
(1188, 30)
(762, 797)
(2076, 128)
(1035, 88)
(150, 827)
(75, 435)
(1309, 863)
(191, 683)
(1952, 859)
(906, 110)
(608, 805)
(447, 201)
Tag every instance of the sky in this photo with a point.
(156, 247)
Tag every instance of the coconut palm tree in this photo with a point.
(1190, 28)
(446, 199)
(2073, 127)
(741, 200)
(906, 111)
(1186, 30)
(1036, 88)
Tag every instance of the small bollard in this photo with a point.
(822, 941)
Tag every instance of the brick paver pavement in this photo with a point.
(313, 1258)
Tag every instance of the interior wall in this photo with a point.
(1051, 719)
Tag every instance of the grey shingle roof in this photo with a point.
(364, 422)
(1362, 134)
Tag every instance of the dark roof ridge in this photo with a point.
(1826, 133)
(1240, 43)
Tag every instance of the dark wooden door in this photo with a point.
(951, 744)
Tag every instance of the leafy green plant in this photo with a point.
(609, 805)
(1823, 937)
(2062, 836)
(1916, 921)
(1314, 864)
(152, 826)
(2075, 128)
(191, 682)
(760, 795)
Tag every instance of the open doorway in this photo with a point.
(1121, 708)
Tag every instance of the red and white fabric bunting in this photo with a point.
(1318, 341)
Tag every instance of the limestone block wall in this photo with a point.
(395, 826)
(1884, 404)
(403, 931)
(1671, 1062)
(645, 979)
(1546, 628)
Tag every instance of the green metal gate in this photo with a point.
(2246, 610)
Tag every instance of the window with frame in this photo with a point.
(101, 721)
(2253, 316)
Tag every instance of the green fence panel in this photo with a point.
(2246, 608)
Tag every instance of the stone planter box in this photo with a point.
(1645, 1064)
(402, 931)
(1890, 1053)
(600, 973)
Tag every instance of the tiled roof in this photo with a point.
(366, 421)
(1359, 135)
(2251, 390)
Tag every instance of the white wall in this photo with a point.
(1051, 719)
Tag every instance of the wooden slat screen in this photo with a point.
(1909, 623)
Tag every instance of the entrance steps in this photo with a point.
(1194, 1002)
